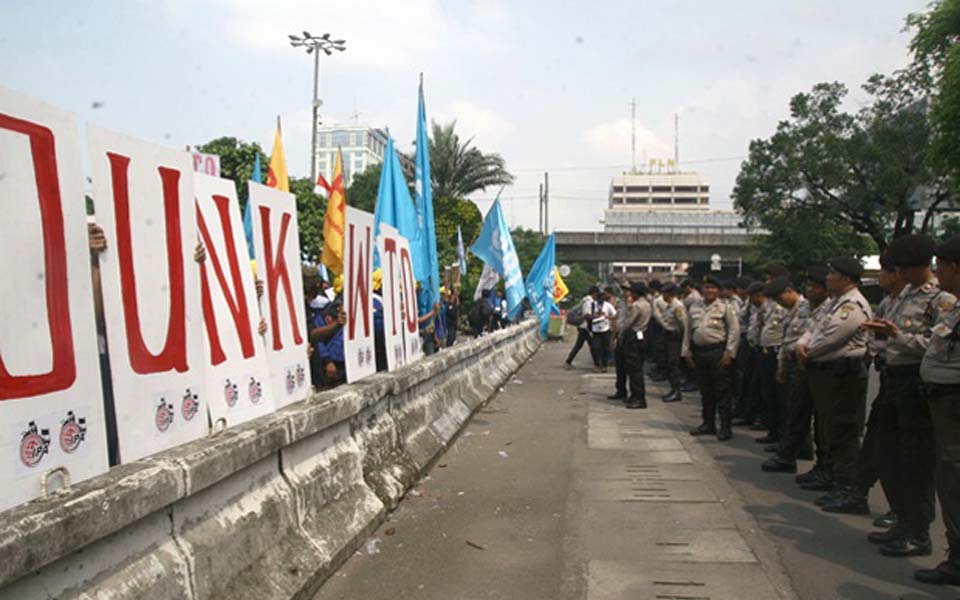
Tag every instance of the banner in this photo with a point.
(408, 297)
(388, 246)
(208, 164)
(51, 405)
(540, 284)
(495, 247)
(237, 381)
(560, 289)
(358, 343)
(276, 241)
(151, 292)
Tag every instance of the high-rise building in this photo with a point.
(659, 192)
(361, 145)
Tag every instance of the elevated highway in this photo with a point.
(665, 244)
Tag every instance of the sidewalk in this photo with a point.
(551, 492)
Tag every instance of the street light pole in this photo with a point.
(314, 45)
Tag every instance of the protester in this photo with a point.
(481, 314)
(584, 314)
(600, 325)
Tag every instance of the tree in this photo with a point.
(311, 210)
(936, 55)
(236, 161)
(856, 171)
(458, 169)
(362, 192)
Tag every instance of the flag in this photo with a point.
(247, 215)
(540, 284)
(560, 289)
(495, 247)
(277, 173)
(461, 253)
(488, 280)
(428, 273)
(333, 222)
(394, 206)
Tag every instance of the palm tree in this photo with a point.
(457, 169)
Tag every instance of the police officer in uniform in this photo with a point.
(753, 398)
(632, 339)
(940, 371)
(712, 346)
(907, 452)
(744, 354)
(771, 392)
(795, 434)
(672, 319)
(833, 351)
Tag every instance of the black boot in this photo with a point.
(886, 521)
(673, 396)
(912, 546)
(851, 502)
(704, 429)
(725, 432)
(636, 403)
(778, 465)
(946, 573)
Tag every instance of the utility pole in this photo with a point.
(546, 203)
(676, 141)
(633, 134)
(540, 211)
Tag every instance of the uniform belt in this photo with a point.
(840, 363)
(901, 369)
(944, 387)
(709, 347)
(771, 349)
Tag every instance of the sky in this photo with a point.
(546, 85)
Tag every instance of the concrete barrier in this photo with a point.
(267, 509)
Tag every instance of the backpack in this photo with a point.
(575, 315)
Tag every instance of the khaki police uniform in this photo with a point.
(714, 332)
(672, 319)
(771, 392)
(798, 405)
(633, 341)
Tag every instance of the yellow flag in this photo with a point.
(335, 219)
(560, 289)
(277, 174)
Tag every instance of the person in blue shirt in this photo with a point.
(330, 351)
(379, 339)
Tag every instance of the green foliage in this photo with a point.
(937, 54)
(362, 193)
(838, 175)
(236, 161)
(458, 169)
(799, 238)
(311, 210)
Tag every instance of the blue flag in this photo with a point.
(428, 271)
(540, 284)
(247, 217)
(495, 247)
(461, 253)
(394, 206)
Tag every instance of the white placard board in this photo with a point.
(51, 403)
(208, 164)
(238, 384)
(408, 292)
(276, 241)
(144, 200)
(388, 247)
(360, 356)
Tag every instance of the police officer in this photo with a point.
(751, 409)
(940, 371)
(744, 354)
(620, 392)
(710, 350)
(907, 451)
(632, 339)
(672, 319)
(771, 338)
(795, 434)
(833, 351)
(868, 468)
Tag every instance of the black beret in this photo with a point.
(887, 264)
(817, 274)
(913, 250)
(743, 282)
(777, 270)
(638, 288)
(777, 287)
(950, 249)
(729, 284)
(847, 265)
(711, 280)
(655, 284)
(755, 288)
(669, 288)
(686, 283)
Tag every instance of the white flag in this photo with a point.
(488, 280)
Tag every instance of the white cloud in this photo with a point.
(611, 141)
(379, 33)
(487, 127)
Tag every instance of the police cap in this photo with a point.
(847, 265)
(817, 274)
(670, 288)
(913, 250)
(743, 282)
(711, 280)
(887, 264)
(755, 288)
(777, 270)
(950, 249)
(638, 288)
(655, 284)
(776, 287)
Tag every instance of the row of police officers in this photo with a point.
(792, 358)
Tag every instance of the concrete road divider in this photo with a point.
(267, 509)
